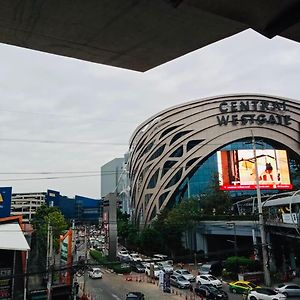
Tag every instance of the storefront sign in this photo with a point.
(5, 283)
(257, 112)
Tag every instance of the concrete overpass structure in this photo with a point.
(139, 34)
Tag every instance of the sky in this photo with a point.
(62, 118)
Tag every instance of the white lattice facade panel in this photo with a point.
(167, 147)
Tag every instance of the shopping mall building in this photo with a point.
(175, 154)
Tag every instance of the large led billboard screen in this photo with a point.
(237, 170)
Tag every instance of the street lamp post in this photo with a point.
(235, 238)
(261, 221)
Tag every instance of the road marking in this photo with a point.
(115, 296)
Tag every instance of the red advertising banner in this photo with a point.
(237, 170)
(66, 257)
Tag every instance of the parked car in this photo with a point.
(241, 287)
(210, 292)
(212, 268)
(179, 281)
(137, 266)
(123, 255)
(209, 279)
(135, 257)
(156, 270)
(135, 296)
(159, 257)
(185, 273)
(288, 289)
(166, 266)
(265, 294)
(95, 273)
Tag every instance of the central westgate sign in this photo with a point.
(256, 112)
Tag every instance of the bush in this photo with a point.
(236, 264)
(114, 265)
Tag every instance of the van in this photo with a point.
(213, 268)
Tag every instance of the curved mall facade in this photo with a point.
(175, 154)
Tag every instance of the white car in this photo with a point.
(289, 289)
(123, 255)
(95, 273)
(166, 266)
(156, 270)
(209, 279)
(185, 273)
(134, 257)
(265, 294)
(159, 257)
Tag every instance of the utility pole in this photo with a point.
(235, 237)
(49, 258)
(85, 260)
(74, 259)
(261, 220)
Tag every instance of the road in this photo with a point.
(113, 286)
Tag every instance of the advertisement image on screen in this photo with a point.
(237, 170)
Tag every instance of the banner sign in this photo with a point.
(66, 257)
(5, 283)
(258, 112)
(5, 201)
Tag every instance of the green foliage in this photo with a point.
(184, 214)
(128, 233)
(215, 201)
(114, 265)
(45, 214)
(151, 239)
(236, 264)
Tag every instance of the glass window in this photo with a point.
(178, 135)
(193, 143)
(153, 180)
(157, 153)
(167, 166)
(178, 152)
(175, 179)
(168, 130)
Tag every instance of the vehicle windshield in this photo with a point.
(181, 278)
(213, 289)
(185, 272)
(212, 277)
(252, 285)
(204, 269)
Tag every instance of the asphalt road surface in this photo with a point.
(113, 286)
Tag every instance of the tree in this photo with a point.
(215, 201)
(151, 240)
(128, 233)
(54, 217)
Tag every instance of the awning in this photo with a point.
(283, 201)
(12, 237)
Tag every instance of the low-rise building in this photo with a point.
(26, 204)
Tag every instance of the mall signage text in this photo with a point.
(258, 112)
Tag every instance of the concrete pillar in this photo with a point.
(272, 264)
(201, 242)
(292, 259)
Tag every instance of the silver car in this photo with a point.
(179, 281)
(288, 289)
(186, 274)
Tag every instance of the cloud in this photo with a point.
(52, 98)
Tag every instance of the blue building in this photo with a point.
(81, 209)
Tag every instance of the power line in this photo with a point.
(62, 142)
(49, 178)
